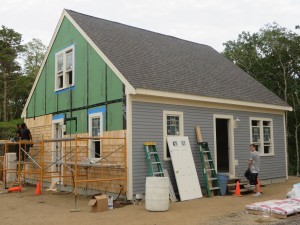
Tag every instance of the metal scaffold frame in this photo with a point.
(71, 158)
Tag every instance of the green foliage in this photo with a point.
(8, 131)
(33, 57)
(272, 56)
(7, 126)
(10, 48)
(16, 85)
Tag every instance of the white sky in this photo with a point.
(210, 22)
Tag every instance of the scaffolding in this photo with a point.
(70, 162)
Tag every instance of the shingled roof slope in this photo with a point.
(155, 61)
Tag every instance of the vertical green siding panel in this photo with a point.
(114, 86)
(40, 97)
(51, 98)
(80, 91)
(30, 107)
(115, 116)
(81, 117)
(96, 78)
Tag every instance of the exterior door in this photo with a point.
(224, 150)
(184, 168)
(57, 150)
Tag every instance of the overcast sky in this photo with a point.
(210, 22)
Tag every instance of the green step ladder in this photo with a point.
(155, 168)
(154, 165)
(209, 173)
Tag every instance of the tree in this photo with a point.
(33, 57)
(10, 47)
(272, 56)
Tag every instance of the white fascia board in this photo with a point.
(148, 92)
(129, 87)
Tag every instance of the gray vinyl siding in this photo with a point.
(147, 125)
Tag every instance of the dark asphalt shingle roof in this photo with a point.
(159, 62)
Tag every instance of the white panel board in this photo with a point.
(184, 168)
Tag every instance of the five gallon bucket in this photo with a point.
(223, 179)
(157, 193)
(296, 191)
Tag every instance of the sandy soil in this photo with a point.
(27, 208)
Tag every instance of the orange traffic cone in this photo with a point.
(15, 189)
(237, 189)
(258, 188)
(38, 188)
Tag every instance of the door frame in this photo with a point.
(57, 122)
(231, 152)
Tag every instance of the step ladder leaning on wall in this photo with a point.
(155, 167)
(208, 169)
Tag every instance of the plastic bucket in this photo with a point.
(223, 179)
(296, 189)
(157, 193)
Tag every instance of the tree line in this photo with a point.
(270, 55)
(19, 65)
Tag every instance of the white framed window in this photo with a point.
(95, 130)
(261, 134)
(64, 68)
(172, 126)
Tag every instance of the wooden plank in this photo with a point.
(199, 134)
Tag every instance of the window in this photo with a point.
(64, 69)
(173, 126)
(262, 135)
(95, 130)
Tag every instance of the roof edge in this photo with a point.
(142, 91)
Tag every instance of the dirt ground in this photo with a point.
(49, 208)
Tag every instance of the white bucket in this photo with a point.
(157, 193)
(296, 191)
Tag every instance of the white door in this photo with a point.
(184, 168)
(57, 146)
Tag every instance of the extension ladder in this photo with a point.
(153, 162)
(209, 173)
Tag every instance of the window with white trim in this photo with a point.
(64, 68)
(261, 134)
(173, 126)
(95, 130)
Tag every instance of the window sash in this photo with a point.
(261, 135)
(64, 69)
(172, 126)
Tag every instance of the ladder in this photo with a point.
(209, 173)
(153, 162)
(155, 167)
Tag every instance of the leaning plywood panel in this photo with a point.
(184, 168)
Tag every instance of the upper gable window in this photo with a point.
(64, 68)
